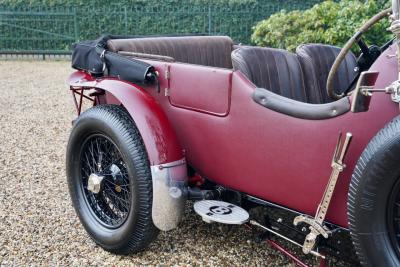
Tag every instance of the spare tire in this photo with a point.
(374, 200)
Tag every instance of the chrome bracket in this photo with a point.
(316, 224)
(167, 75)
(394, 90)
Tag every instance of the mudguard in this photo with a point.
(168, 166)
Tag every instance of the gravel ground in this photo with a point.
(38, 225)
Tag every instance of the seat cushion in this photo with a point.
(276, 70)
(316, 61)
(214, 51)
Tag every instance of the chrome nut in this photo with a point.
(94, 183)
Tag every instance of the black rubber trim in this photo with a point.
(299, 109)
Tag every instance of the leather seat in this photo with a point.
(277, 70)
(300, 76)
(214, 51)
(317, 60)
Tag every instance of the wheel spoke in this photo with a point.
(112, 204)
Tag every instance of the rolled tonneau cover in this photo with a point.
(93, 57)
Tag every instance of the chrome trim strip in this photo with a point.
(169, 193)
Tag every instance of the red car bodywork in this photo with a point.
(209, 115)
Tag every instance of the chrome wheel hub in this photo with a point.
(94, 183)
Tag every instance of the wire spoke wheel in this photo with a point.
(109, 179)
(111, 203)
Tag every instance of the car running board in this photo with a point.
(221, 212)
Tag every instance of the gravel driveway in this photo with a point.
(38, 225)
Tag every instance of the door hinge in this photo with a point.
(167, 74)
(166, 91)
(167, 77)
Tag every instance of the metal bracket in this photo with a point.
(394, 90)
(167, 74)
(316, 224)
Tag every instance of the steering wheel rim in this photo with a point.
(346, 48)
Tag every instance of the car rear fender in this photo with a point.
(168, 166)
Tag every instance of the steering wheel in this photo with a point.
(356, 38)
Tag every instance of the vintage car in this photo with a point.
(304, 146)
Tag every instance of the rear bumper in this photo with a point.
(169, 198)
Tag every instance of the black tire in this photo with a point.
(136, 229)
(374, 183)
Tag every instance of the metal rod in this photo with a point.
(281, 249)
(323, 263)
(75, 102)
(345, 147)
(85, 96)
(313, 252)
(209, 20)
(76, 26)
(374, 90)
(126, 20)
(80, 102)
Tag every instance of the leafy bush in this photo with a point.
(328, 22)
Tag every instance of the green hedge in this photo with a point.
(55, 24)
(328, 22)
(156, 3)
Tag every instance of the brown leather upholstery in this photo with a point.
(300, 76)
(277, 70)
(214, 51)
(317, 60)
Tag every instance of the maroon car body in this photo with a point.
(233, 141)
(236, 128)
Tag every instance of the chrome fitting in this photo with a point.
(94, 183)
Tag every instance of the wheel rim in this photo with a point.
(393, 217)
(110, 199)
